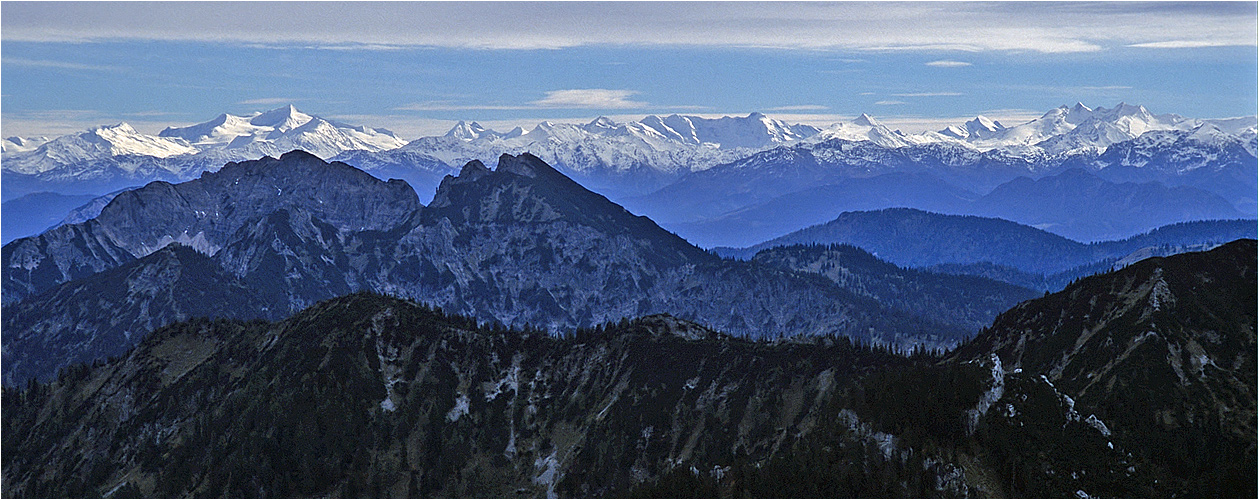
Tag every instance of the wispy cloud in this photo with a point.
(908, 26)
(1180, 44)
(41, 63)
(946, 63)
(889, 103)
(268, 101)
(801, 107)
(454, 106)
(928, 94)
(594, 99)
(589, 99)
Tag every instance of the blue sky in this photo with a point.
(417, 68)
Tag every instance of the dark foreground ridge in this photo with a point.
(371, 396)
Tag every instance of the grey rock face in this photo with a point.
(204, 214)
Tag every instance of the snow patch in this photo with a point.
(460, 409)
(550, 473)
(1097, 423)
(885, 442)
(1160, 294)
(990, 396)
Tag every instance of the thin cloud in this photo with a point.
(450, 106)
(946, 63)
(889, 103)
(41, 63)
(1181, 44)
(268, 101)
(917, 26)
(802, 107)
(928, 94)
(589, 99)
(555, 99)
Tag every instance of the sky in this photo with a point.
(417, 68)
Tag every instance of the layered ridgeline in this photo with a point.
(998, 248)
(1096, 174)
(955, 299)
(1074, 204)
(520, 245)
(1144, 388)
(735, 181)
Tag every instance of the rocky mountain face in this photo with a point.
(204, 213)
(522, 245)
(1162, 352)
(1132, 383)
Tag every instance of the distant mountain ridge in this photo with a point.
(521, 244)
(985, 246)
(705, 177)
(108, 158)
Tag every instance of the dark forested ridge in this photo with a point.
(370, 396)
(957, 299)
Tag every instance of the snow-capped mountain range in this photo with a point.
(225, 138)
(282, 130)
(619, 159)
(1061, 131)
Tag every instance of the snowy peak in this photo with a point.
(122, 139)
(979, 127)
(281, 130)
(281, 119)
(17, 144)
(222, 129)
(753, 131)
(867, 128)
(467, 131)
(105, 141)
(601, 123)
(866, 121)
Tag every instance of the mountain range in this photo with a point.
(997, 248)
(521, 245)
(705, 177)
(1137, 382)
(108, 158)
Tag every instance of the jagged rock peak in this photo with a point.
(524, 164)
(473, 170)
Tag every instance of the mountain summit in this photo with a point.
(280, 130)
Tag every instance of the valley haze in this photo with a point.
(615, 249)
